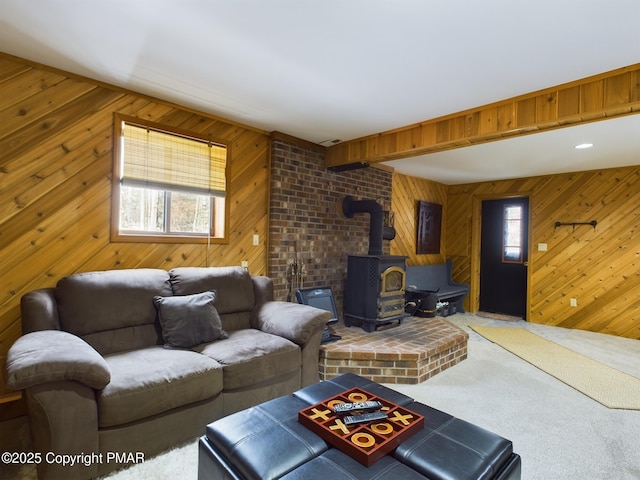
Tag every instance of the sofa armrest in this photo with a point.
(52, 356)
(293, 321)
(39, 311)
(262, 289)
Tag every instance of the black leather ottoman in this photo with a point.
(267, 442)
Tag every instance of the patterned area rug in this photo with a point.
(611, 387)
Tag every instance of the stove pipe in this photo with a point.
(377, 230)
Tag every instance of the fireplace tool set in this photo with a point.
(295, 277)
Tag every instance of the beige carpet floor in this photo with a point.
(609, 386)
(560, 433)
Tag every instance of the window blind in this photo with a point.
(155, 159)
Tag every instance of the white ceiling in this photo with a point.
(341, 69)
(616, 143)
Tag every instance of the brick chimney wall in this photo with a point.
(305, 220)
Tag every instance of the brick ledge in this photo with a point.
(409, 353)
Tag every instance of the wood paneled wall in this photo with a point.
(599, 267)
(406, 193)
(56, 135)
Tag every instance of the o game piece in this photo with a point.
(363, 440)
(358, 397)
(382, 428)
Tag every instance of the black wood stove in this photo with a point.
(375, 288)
(375, 291)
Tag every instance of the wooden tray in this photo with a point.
(367, 443)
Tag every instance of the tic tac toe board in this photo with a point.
(366, 442)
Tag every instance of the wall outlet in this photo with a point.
(573, 302)
(542, 247)
(244, 264)
(256, 239)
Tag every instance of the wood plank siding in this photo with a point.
(599, 97)
(406, 193)
(56, 156)
(600, 266)
(56, 146)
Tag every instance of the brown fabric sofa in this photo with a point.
(99, 375)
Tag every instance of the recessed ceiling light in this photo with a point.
(583, 145)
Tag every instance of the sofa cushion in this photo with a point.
(189, 320)
(250, 357)
(233, 286)
(95, 303)
(153, 380)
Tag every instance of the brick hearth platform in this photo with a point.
(408, 353)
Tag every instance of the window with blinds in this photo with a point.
(169, 185)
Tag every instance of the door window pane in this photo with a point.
(512, 234)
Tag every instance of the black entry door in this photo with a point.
(503, 257)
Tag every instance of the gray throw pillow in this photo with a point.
(189, 320)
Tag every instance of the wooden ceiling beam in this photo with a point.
(600, 97)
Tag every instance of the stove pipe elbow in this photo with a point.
(377, 230)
